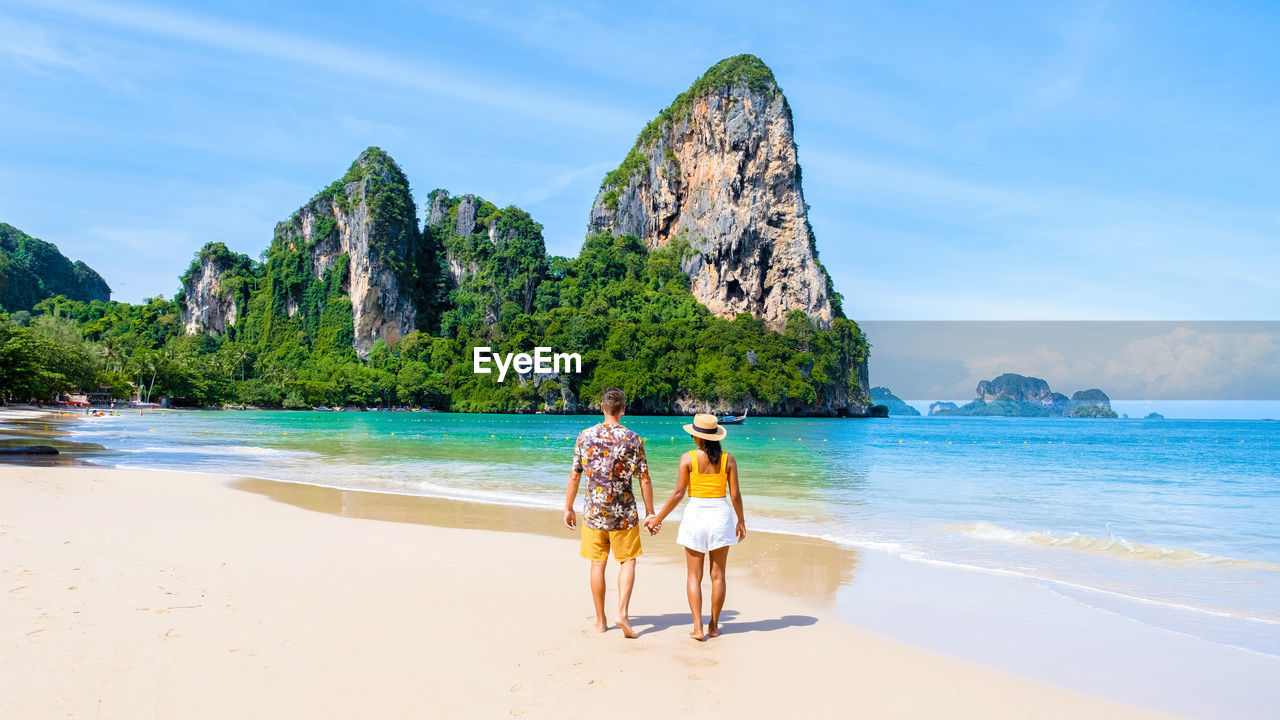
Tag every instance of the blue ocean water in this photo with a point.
(1173, 523)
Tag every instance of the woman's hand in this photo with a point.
(653, 524)
(741, 531)
(570, 519)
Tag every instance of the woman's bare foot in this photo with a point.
(624, 624)
(601, 626)
(713, 630)
(697, 633)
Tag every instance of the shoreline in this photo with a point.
(163, 591)
(869, 589)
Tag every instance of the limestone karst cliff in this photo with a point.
(1011, 394)
(364, 229)
(700, 240)
(499, 250)
(718, 170)
(214, 289)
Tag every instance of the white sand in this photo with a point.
(131, 594)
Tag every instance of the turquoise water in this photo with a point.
(1172, 523)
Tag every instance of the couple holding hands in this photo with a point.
(611, 456)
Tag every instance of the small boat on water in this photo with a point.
(732, 419)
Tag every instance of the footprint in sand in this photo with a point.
(171, 634)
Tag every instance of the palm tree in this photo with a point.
(144, 364)
(240, 354)
(113, 353)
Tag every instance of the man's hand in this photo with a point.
(570, 520)
(653, 524)
(741, 531)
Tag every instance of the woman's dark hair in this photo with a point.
(712, 448)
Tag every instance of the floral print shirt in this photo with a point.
(610, 456)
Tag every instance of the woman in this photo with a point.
(710, 476)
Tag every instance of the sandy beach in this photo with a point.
(132, 594)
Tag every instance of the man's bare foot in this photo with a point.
(697, 634)
(625, 626)
(601, 626)
(713, 630)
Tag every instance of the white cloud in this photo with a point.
(347, 62)
(37, 51)
(1192, 363)
(535, 195)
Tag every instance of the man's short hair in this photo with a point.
(614, 401)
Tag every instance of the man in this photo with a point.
(611, 456)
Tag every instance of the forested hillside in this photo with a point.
(355, 302)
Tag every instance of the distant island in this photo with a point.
(1014, 395)
(1153, 416)
(893, 404)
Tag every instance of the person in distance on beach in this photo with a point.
(710, 477)
(610, 456)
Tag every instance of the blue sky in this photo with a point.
(963, 161)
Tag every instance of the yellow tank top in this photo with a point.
(707, 486)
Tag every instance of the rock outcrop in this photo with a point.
(1014, 395)
(942, 407)
(1091, 397)
(501, 250)
(1018, 388)
(894, 404)
(553, 390)
(364, 226)
(718, 170)
(837, 400)
(210, 296)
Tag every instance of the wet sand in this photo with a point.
(160, 594)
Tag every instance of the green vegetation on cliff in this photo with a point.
(32, 270)
(744, 70)
(627, 310)
(895, 405)
(1014, 395)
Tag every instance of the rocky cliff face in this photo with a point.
(208, 300)
(1018, 388)
(942, 407)
(495, 254)
(718, 170)
(454, 217)
(895, 404)
(1012, 394)
(1091, 397)
(365, 227)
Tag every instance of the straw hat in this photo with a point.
(706, 427)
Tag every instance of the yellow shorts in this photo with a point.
(625, 544)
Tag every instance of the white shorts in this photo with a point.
(707, 524)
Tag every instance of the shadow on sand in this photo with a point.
(646, 624)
